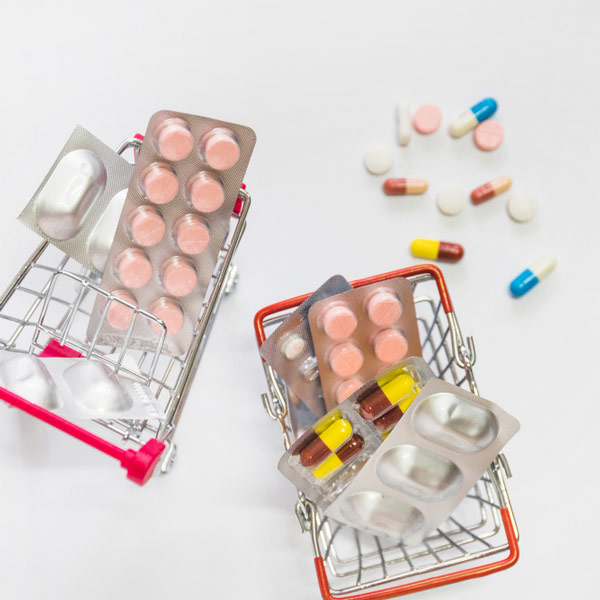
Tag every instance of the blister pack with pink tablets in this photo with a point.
(172, 228)
(360, 333)
(78, 204)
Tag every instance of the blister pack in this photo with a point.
(324, 460)
(173, 225)
(360, 333)
(290, 352)
(76, 387)
(78, 204)
(426, 466)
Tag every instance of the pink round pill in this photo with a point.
(220, 148)
(206, 192)
(339, 322)
(346, 359)
(179, 276)
(170, 312)
(159, 184)
(192, 234)
(427, 118)
(384, 308)
(488, 135)
(347, 387)
(146, 226)
(390, 346)
(133, 268)
(119, 316)
(174, 139)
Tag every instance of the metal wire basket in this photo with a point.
(46, 310)
(357, 566)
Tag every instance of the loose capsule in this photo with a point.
(388, 394)
(327, 442)
(529, 278)
(492, 188)
(435, 250)
(342, 456)
(313, 433)
(402, 186)
(470, 118)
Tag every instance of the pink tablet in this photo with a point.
(179, 276)
(384, 308)
(174, 139)
(427, 118)
(390, 346)
(488, 135)
(347, 387)
(146, 226)
(170, 312)
(119, 316)
(205, 192)
(339, 321)
(192, 234)
(159, 184)
(346, 359)
(133, 268)
(220, 148)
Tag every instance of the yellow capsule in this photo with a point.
(335, 435)
(327, 466)
(398, 387)
(437, 250)
(408, 400)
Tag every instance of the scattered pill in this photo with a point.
(427, 118)
(133, 268)
(452, 200)
(379, 159)
(159, 184)
(399, 391)
(390, 346)
(339, 322)
(293, 346)
(402, 186)
(436, 250)
(384, 308)
(325, 443)
(470, 118)
(488, 135)
(347, 387)
(522, 207)
(170, 312)
(174, 139)
(220, 148)
(339, 458)
(491, 189)
(403, 122)
(346, 359)
(118, 315)
(529, 278)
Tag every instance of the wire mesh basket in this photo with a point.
(354, 565)
(46, 311)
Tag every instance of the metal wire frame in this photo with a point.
(356, 561)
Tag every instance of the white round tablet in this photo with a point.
(293, 346)
(522, 207)
(379, 159)
(451, 200)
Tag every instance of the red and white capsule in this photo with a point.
(402, 186)
(491, 189)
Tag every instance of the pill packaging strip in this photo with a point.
(77, 388)
(381, 313)
(289, 349)
(326, 475)
(180, 244)
(77, 205)
(426, 466)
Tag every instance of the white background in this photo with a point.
(318, 81)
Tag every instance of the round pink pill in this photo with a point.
(192, 234)
(220, 148)
(390, 346)
(146, 226)
(384, 308)
(170, 312)
(427, 118)
(488, 135)
(206, 192)
(339, 322)
(133, 268)
(160, 184)
(346, 359)
(179, 276)
(347, 388)
(174, 139)
(119, 316)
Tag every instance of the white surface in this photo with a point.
(319, 82)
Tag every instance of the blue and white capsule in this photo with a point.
(529, 278)
(471, 118)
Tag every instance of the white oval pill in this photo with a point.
(379, 159)
(522, 207)
(451, 200)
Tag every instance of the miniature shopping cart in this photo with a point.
(356, 566)
(46, 311)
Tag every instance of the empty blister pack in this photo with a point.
(173, 225)
(76, 387)
(289, 349)
(360, 333)
(426, 466)
(78, 204)
(325, 459)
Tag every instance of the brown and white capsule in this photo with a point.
(402, 186)
(492, 188)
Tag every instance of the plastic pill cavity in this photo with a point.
(205, 192)
(146, 226)
(339, 321)
(522, 207)
(159, 183)
(179, 276)
(347, 387)
(133, 268)
(384, 308)
(452, 200)
(325, 443)
(192, 234)
(119, 316)
(170, 312)
(427, 118)
(488, 135)
(292, 346)
(378, 159)
(340, 457)
(220, 148)
(390, 345)
(173, 139)
(346, 359)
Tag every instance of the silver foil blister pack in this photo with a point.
(172, 228)
(426, 466)
(289, 349)
(78, 204)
